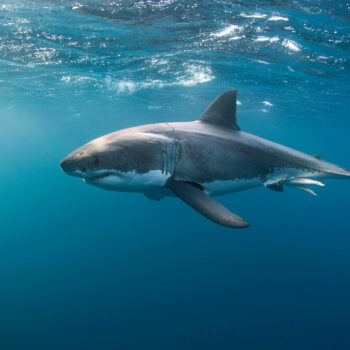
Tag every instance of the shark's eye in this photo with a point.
(96, 160)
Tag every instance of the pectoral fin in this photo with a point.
(195, 197)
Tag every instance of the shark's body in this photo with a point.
(196, 161)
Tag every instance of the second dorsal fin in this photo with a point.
(222, 111)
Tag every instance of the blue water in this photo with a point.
(83, 268)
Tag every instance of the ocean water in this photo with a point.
(83, 268)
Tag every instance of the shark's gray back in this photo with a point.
(210, 152)
(214, 148)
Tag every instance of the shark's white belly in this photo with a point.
(288, 175)
(153, 183)
(131, 181)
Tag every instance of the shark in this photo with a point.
(197, 161)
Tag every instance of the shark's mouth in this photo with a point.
(108, 180)
(97, 177)
(91, 177)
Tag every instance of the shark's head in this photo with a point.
(84, 162)
(121, 161)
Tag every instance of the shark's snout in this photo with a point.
(86, 162)
(76, 163)
(70, 167)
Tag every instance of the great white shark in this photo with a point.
(197, 161)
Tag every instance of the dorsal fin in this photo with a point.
(222, 111)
